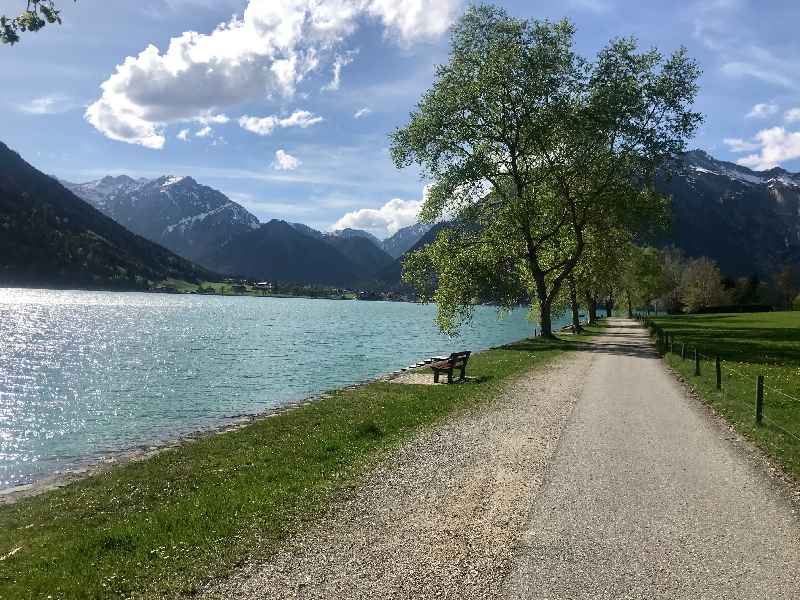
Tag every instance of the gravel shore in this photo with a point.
(443, 516)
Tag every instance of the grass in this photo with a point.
(161, 527)
(748, 345)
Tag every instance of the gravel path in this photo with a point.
(595, 477)
(443, 517)
(648, 497)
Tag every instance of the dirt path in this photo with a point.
(596, 477)
(647, 497)
(443, 517)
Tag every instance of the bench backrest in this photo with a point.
(458, 358)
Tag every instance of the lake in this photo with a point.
(86, 374)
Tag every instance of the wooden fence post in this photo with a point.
(719, 372)
(759, 399)
(696, 363)
(683, 350)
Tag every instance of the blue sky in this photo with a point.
(287, 106)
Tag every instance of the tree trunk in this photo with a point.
(630, 305)
(573, 300)
(545, 304)
(591, 308)
(546, 320)
(609, 306)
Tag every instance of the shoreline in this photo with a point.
(139, 452)
(86, 468)
(178, 293)
(165, 526)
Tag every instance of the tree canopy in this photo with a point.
(528, 146)
(35, 15)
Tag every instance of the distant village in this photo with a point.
(245, 287)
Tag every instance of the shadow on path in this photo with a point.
(634, 341)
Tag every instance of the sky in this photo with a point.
(286, 105)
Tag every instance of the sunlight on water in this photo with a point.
(83, 374)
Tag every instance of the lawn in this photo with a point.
(161, 527)
(748, 345)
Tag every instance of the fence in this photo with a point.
(666, 343)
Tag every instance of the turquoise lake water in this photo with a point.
(86, 374)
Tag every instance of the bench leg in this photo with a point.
(450, 376)
(436, 377)
(463, 372)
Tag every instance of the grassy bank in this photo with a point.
(161, 527)
(748, 345)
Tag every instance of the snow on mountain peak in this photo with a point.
(172, 180)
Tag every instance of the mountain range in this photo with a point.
(176, 212)
(120, 230)
(52, 237)
(205, 226)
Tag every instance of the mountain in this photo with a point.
(361, 247)
(400, 243)
(362, 252)
(747, 221)
(306, 230)
(52, 237)
(392, 274)
(176, 212)
(277, 251)
(349, 233)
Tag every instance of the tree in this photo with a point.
(787, 282)
(673, 265)
(643, 278)
(701, 285)
(597, 274)
(747, 290)
(532, 144)
(36, 15)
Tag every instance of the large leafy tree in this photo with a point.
(35, 15)
(526, 146)
(642, 278)
(597, 276)
(701, 285)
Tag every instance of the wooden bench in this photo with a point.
(457, 360)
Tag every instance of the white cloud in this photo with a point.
(775, 146)
(268, 50)
(740, 145)
(285, 161)
(204, 132)
(338, 63)
(209, 119)
(761, 64)
(300, 118)
(48, 105)
(382, 221)
(412, 19)
(265, 125)
(183, 135)
(762, 111)
(362, 112)
(792, 115)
